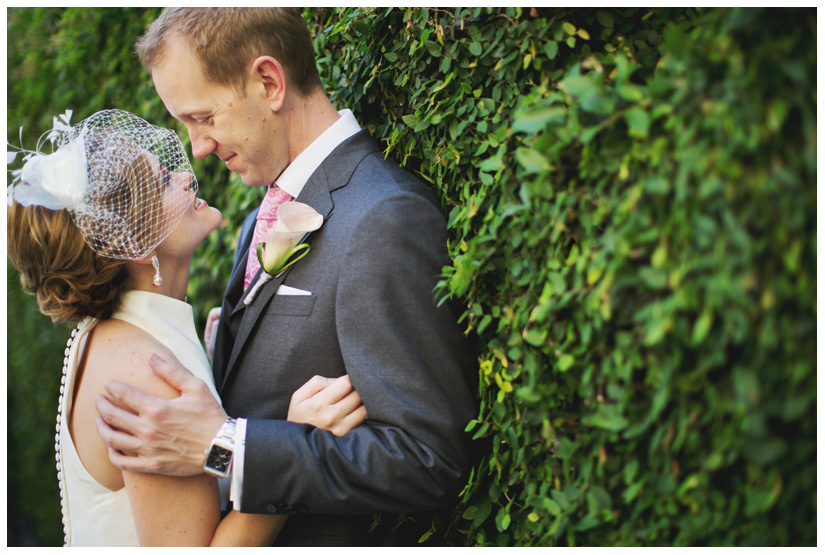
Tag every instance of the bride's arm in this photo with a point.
(328, 403)
(185, 510)
(166, 510)
(247, 530)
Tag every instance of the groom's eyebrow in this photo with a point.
(188, 112)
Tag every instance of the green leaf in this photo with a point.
(605, 19)
(537, 118)
(579, 85)
(608, 417)
(425, 536)
(445, 83)
(433, 48)
(503, 519)
(588, 134)
(485, 321)
(470, 512)
(657, 185)
(551, 49)
(531, 160)
(528, 395)
(490, 165)
(551, 506)
(657, 330)
(638, 122)
(654, 278)
(535, 337)
(565, 362)
(360, 26)
(291, 257)
(702, 326)
(633, 491)
(484, 510)
(601, 498)
(598, 103)
(586, 523)
(631, 93)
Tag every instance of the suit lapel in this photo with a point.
(333, 173)
(228, 327)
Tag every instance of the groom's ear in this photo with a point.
(269, 76)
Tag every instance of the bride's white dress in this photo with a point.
(93, 515)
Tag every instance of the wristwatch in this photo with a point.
(219, 454)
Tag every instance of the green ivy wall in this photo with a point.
(631, 197)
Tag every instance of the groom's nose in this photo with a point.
(202, 144)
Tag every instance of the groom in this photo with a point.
(360, 304)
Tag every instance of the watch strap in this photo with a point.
(228, 429)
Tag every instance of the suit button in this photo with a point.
(270, 508)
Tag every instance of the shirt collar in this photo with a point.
(295, 176)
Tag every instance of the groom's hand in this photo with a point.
(149, 434)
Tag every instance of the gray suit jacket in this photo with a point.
(371, 269)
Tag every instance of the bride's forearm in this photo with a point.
(247, 530)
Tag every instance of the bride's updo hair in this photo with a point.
(69, 281)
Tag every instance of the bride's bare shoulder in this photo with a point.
(121, 351)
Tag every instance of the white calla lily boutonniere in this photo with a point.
(285, 244)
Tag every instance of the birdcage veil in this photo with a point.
(125, 182)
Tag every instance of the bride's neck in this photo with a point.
(174, 275)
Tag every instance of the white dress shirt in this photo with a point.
(292, 180)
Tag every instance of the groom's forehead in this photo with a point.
(184, 87)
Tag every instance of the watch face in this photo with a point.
(218, 458)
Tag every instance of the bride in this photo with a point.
(103, 231)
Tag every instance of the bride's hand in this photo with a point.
(328, 403)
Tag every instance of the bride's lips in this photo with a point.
(200, 204)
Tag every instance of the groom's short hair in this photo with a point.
(228, 39)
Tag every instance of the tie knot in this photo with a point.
(275, 196)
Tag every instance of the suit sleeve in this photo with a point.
(413, 368)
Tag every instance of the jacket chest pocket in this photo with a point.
(289, 305)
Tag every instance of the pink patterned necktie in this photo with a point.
(267, 215)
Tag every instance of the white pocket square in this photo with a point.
(292, 291)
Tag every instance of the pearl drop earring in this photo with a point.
(157, 280)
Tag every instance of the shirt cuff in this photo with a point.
(237, 464)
